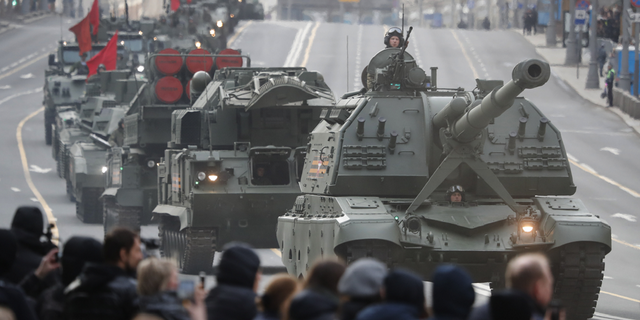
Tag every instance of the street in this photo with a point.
(603, 150)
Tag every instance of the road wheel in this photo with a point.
(48, 122)
(192, 249)
(89, 209)
(72, 198)
(578, 270)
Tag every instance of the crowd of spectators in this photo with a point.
(609, 23)
(113, 280)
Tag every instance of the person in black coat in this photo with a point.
(452, 293)
(11, 296)
(319, 298)
(403, 298)
(234, 297)
(28, 226)
(360, 286)
(108, 290)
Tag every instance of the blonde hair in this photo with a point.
(6, 314)
(154, 275)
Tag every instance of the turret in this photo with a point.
(527, 74)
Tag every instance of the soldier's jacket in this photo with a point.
(117, 138)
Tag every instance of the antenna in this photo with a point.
(61, 28)
(347, 63)
(402, 30)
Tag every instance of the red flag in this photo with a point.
(175, 4)
(107, 56)
(94, 16)
(83, 34)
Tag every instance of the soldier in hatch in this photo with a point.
(455, 194)
(81, 66)
(392, 39)
(260, 178)
(117, 136)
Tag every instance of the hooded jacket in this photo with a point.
(508, 305)
(404, 298)
(101, 291)
(453, 293)
(313, 304)
(10, 295)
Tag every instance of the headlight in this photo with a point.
(527, 226)
(140, 32)
(140, 68)
(151, 163)
(198, 44)
(122, 42)
(219, 24)
(202, 176)
(213, 177)
(104, 169)
(212, 32)
(232, 15)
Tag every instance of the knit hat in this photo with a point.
(363, 278)
(77, 252)
(404, 286)
(453, 293)
(238, 265)
(28, 219)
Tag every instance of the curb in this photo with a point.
(628, 120)
(34, 16)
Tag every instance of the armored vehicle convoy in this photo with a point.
(131, 175)
(235, 160)
(375, 183)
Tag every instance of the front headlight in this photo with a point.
(151, 163)
(104, 169)
(198, 44)
(219, 24)
(201, 176)
(140, 68)
(213, 177)
(212, 32)
(527, 226)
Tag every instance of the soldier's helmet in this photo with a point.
(393, 31)
(453, 189)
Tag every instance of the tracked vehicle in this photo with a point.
(131, 177)
(235, 159)
(375, 181)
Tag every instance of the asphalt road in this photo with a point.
(603, 149)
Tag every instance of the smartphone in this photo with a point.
(186, 289)
(555, 306)
(202, 278)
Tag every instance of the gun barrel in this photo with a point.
(527, 74)
(99, 141)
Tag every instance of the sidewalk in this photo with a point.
(556, 57)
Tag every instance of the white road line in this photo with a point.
(34, 199)
(608, 316)
(20, 94)
(625, 216)
(572, 158)
(296, 47)
(14, 189)
(612, 150)
(606, 277)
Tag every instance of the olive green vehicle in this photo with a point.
(131, 191)
(375, 181)
(235, 160)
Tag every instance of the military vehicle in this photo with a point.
(87, 157)
(251, 10)
(234, 160)
(131, 183)
(375, 181)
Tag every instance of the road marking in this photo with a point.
(235, 36)
(308, 51)
(606, 277)
(5, 87)
(27, 76)
(27, 175)
(14, 189)
(34, 199)
(296, 47)
(625, 243)
(608, 180)
(612, 150)
(277, 252)
(23, 66)
(20, 94)
(625, 216)
(607, 316)
(619, 296)
(464, 52)
(37, 169)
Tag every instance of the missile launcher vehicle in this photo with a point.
(131, 175)
(234, 160)
(375, 183)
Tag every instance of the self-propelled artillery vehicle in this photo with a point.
(131, 184)
(235, 160)
(375, 181)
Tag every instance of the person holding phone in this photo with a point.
(163, 295)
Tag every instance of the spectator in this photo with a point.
(602, 58)
(78, 251)
(157, 285)
(107, 291)
(319, 298)
(238, 277)
(11, 297)
(403, 296)
(452, 293)
(280, 289)
(360, 286)
(28, 227)
(530, 282)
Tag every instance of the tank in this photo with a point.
(234, 160)
(131, 191)
(375, 183)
